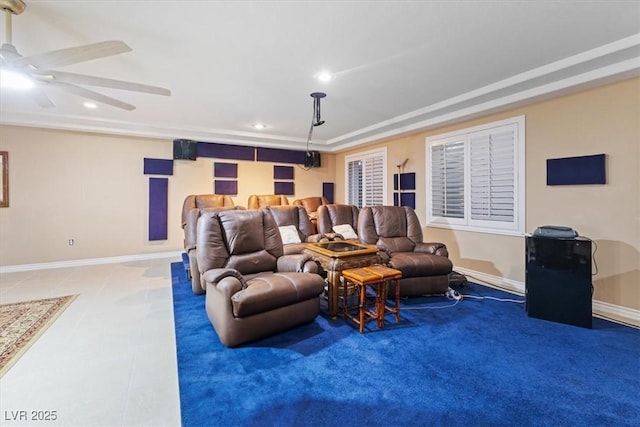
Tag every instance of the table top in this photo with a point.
(341, 249)
(372, 273)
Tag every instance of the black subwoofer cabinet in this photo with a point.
(558, 279)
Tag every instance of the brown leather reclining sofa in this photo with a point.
(192, 206)
(252, 289)
(396, 231)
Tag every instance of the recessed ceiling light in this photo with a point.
(324, 76)
(259, 126)
(90, 105)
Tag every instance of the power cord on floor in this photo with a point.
(517, 301)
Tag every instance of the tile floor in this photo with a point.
(109, 359)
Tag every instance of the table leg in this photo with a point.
(333, 278)
(397, 300)
(363, 296)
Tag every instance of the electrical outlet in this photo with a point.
(71, 242)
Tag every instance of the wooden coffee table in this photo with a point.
(337, 256)
(377, 277)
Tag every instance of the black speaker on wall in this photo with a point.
(312, 159)
(185, 149)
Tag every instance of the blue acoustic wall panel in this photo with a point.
(283, 172)
(226, 151)
(158, 203)
(158, 166)
(396, 199)
(577, 170)
(327, 191)
(277, 155)
(225, 170)
(225, 187)
(408, 199)
(407, 181)
(285, 188)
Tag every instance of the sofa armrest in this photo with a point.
(215, 276)
(318, 238)
(297, 263)
(432, 248)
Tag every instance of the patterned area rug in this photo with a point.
(21, 324)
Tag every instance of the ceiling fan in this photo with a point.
(36, 71)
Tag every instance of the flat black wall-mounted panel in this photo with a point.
(327, 191)
(158, 166)
(283, 172)
(225, 170)
(581, 170)
(225, 151)
(225, 187)
(286, 188)
(277, 155)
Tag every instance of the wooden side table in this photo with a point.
(334, 257)
(377, 277)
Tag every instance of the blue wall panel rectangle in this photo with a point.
(577, 170)
(158, 204)
(407, 181)
(327, 191)
(158, 166)
(225, 170)
(283, 172)
(408, 199)
(285, 188)
(225, 151)
(225, 187)
(277, 155)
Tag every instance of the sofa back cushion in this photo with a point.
(336, 214)
(395, 228)
(247, 240)
(295, 216)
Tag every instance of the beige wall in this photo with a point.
(91, 188)
(602, 120)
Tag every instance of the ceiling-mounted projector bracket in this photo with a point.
(14, 6)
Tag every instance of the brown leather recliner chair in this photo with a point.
(191, 208)
(295, 228)
(336, 215)
(253, 289)
(396, 231)
(311, 205)
(257, 201)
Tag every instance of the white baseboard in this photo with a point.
(87, 261)
(600, 308)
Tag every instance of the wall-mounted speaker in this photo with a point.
(185, 149)
(312, 159)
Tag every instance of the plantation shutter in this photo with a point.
(354, 180)
(492, 170)
(447, 180)
(374, 174)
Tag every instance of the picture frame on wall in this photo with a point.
(4, 179)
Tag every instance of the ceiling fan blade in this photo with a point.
(41, 98)
(89, 94)
(72, 55)
(82, 79)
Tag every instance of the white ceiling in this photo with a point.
(400, 66)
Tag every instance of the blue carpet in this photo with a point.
(477, 363)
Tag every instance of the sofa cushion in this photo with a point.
(346, 231)
(267, 292)
(289, 234)
(413, 264)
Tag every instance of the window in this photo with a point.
(366, 178)
(476, 178)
